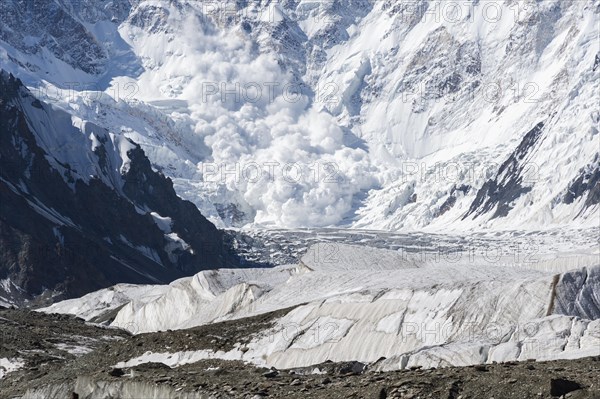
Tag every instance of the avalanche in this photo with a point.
(369, 114)
(364, 114)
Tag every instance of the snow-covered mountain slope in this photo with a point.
(65, 40)
(82, 209)
(410, 310)
(372, 114)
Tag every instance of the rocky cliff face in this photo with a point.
(59, 28)
(81, 208)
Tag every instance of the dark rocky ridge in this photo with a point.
(451, 199)
(62, 33)
(500, 192)
(588, 182)
(62, 235)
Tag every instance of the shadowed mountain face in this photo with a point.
(82, 209)
(60, 28)
(498, 194)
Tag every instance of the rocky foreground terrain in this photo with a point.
(65, 357)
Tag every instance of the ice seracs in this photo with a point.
(206, 297)
(94, 305)
(366, 304)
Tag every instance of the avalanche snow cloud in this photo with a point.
(378, 114)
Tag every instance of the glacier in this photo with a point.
(386, 122)
(390, 309)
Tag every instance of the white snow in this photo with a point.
(9, 365)
(410, 311)
(371, 143)
(8, 292)
(164, 223)
(72, 141)
(208, 296)
(100, 302)
(179, 358)
(76, 350)
(541, 341)
(368, 135)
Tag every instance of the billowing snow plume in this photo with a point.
(267, 143)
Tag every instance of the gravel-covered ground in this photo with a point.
(58, 349)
